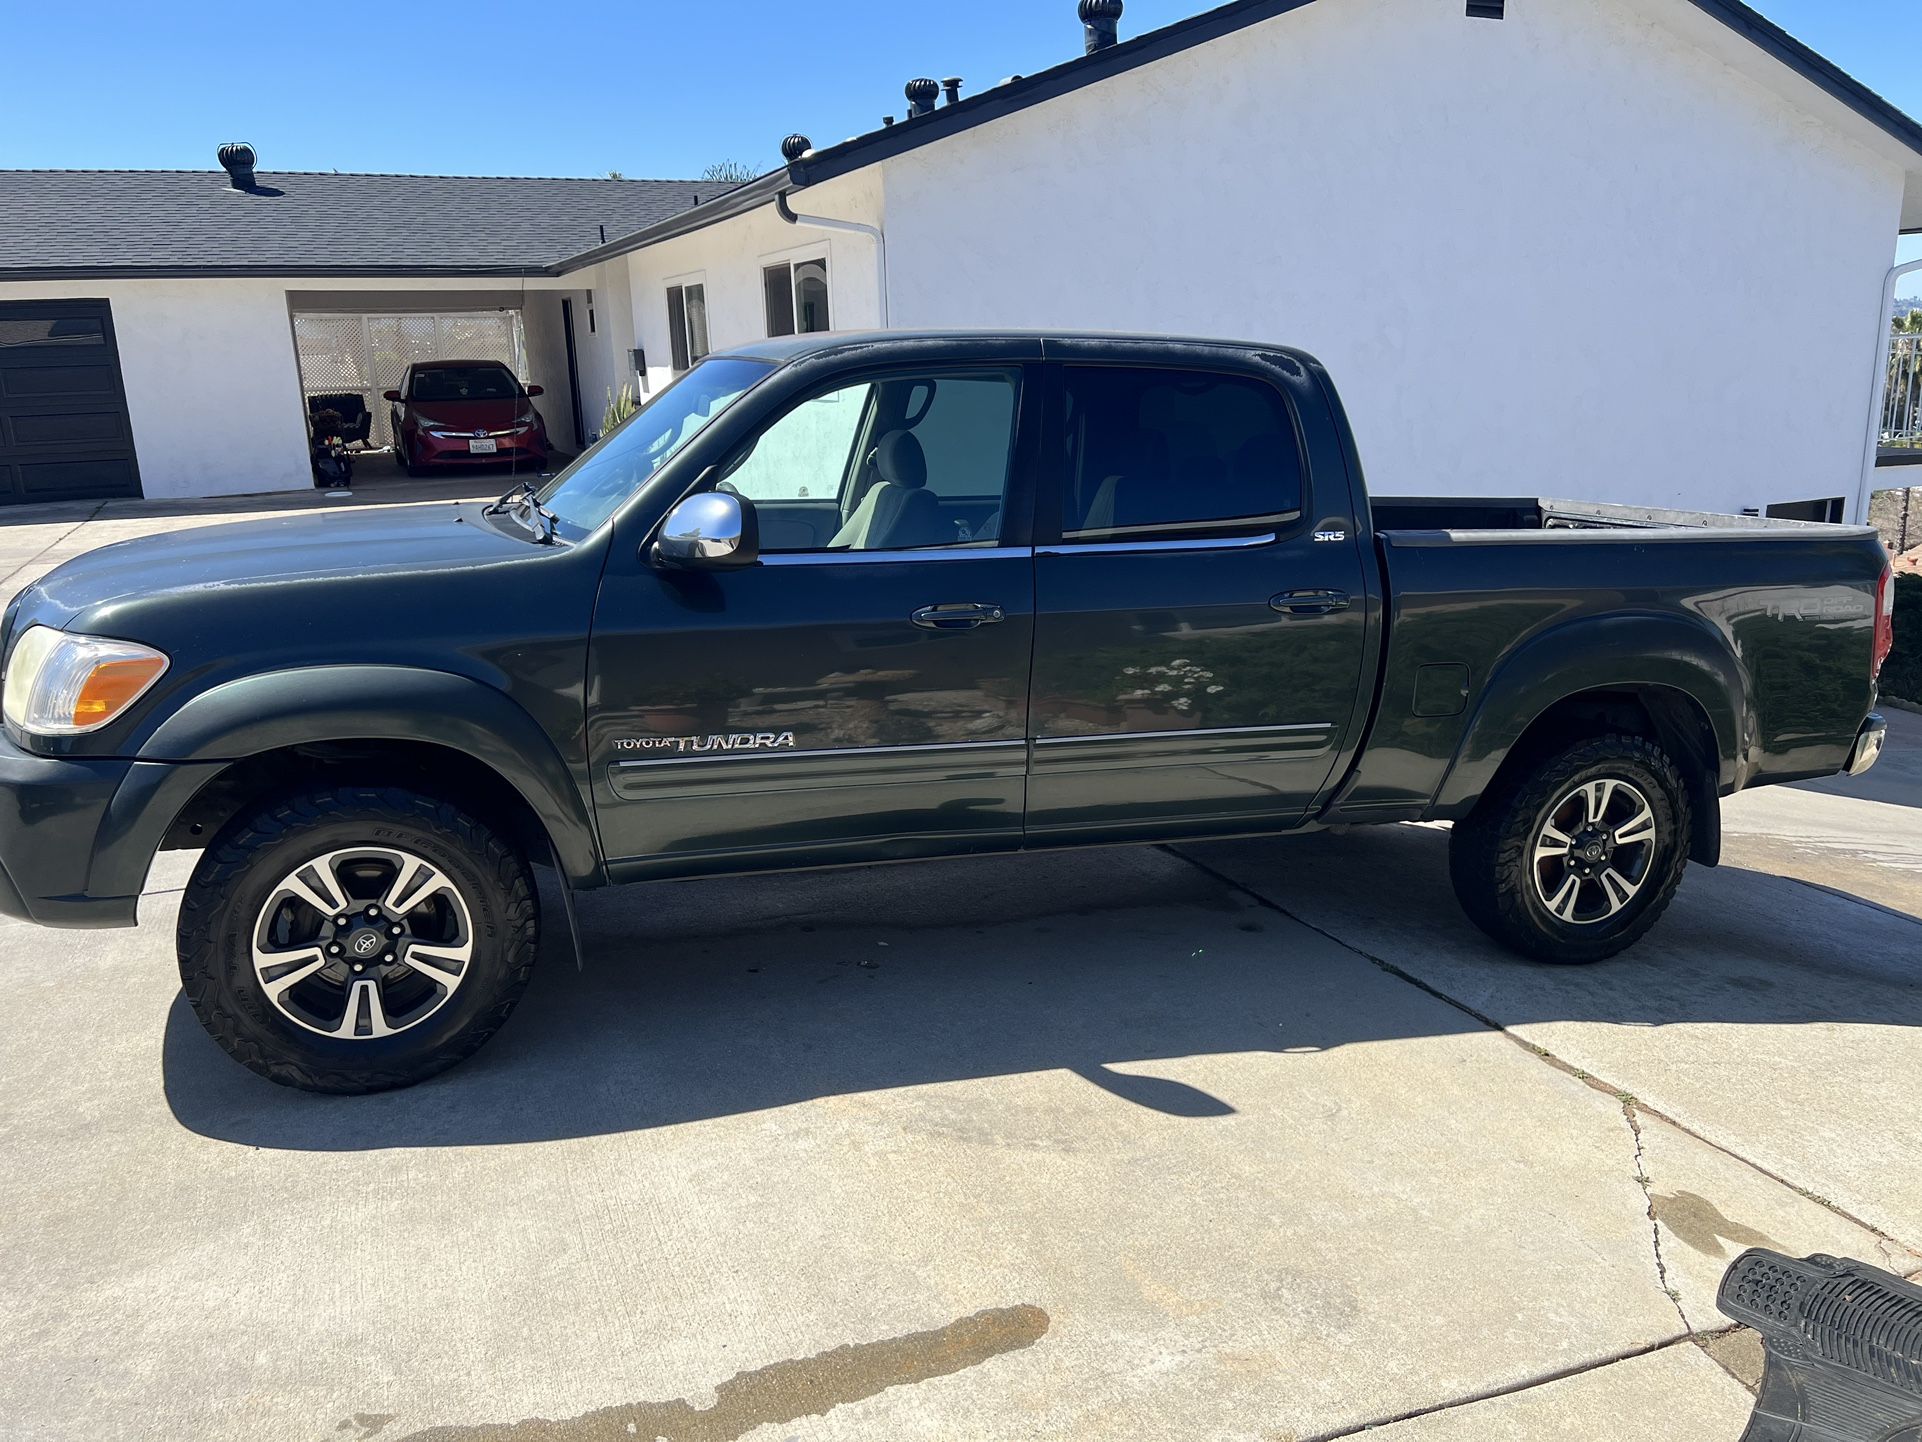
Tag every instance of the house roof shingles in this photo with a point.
(60, 223)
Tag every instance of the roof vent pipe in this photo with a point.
(1101, 21)
(237, 159)
(922, 94)
(953, 87)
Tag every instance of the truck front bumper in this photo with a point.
(1868, 744)
(77, 835)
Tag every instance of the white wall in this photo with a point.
(1567, 253)
(603, 344)
(547, 364)
(728, 259)
(212, 392)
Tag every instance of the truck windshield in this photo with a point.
(610, 470)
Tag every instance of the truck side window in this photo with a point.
(898, 462)
(1165, 454)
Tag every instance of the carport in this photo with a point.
(189, 315)
(360, 343)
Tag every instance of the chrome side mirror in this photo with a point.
(715, 530)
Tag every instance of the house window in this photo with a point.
(687, 324)
(797, 297)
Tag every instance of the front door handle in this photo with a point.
(1309, 603)
(957, 616)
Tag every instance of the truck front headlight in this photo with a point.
(61, 685)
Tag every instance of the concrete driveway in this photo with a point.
(1250, 1140)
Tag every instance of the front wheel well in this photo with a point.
(1671, 718)
(417, 766)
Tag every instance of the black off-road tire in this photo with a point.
(239, 872)
(1490, 854)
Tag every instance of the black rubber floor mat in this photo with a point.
(1844, 1345)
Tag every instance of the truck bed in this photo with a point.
(1483, 515)
(1513, 603)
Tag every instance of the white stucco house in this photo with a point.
(1633, 250)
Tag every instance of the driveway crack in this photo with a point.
(1543, 1054)
(1642, 1180)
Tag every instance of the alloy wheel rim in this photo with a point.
(362, 943)
(1594, 851)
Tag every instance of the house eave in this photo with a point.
(1026, 91)
(268, 272)
(751, 196)
(1021, 94)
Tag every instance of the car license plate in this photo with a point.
(482, 448)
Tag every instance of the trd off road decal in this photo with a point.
(690, 745)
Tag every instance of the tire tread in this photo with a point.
(1487, 851)
(232, 855)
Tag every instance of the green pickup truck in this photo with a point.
(844, 599)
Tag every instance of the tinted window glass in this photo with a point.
(67, 330)
(1175, 452)
(677, 327)
(811, 296)
(465, 383)
(887, 464)
(697, 346)
(777, 284)
(964, 435)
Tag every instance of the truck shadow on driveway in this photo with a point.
(715, 998)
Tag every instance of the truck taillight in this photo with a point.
(1884, 619)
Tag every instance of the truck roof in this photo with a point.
(782, 349)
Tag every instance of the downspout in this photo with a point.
(854, 227)
(1879, 390)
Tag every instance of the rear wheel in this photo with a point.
(1575, 857)
(356, 939)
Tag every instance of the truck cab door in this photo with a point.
(1201, 607)
(862, 691)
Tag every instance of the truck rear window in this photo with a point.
(1168, 451)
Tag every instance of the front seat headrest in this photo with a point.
(900, 459)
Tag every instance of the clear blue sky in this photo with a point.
(582, 87)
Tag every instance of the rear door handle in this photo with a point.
(957, 616)
(1309, 603)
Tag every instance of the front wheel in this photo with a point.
(1575, 857)
(356, 939)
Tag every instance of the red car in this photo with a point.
(457, 412)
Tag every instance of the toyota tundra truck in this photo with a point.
(843, 599)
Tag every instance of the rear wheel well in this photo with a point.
(419, 766)
(1672, 719)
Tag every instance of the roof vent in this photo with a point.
(1101, 20)
(922, 94)
(237, 159)
(1486, 9)
(952, 85)
(794, 147)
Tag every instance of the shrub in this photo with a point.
(1902, 672)
(619, 408)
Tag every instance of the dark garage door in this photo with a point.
(63, 415)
